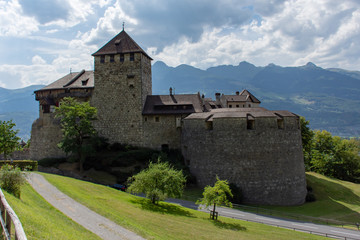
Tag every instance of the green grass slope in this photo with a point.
(165, 221)
(42, 221)
(335, 200)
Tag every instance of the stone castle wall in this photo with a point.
(17, 155)
(266, 162)
(119, 96)
(45, 135)
(162, 130)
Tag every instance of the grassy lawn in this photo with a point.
(42, 221)
(335, 199)
(165, 221)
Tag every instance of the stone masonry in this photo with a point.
(231, 137)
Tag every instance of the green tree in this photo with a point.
(9, 142)
(216, 195)
(76, 122)
(307, 136)
(335, 157)
(158, 182)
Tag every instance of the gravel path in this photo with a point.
(92, 221)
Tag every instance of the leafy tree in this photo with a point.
(306, 135)
(335, 157)
(77, 127)
(11, 179)
(8, 139)
(158, 181)
(216, 195)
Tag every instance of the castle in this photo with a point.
(231, 136)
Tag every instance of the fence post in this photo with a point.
(8, 222)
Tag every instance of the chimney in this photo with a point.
(170, 91)
(237, 92)
(217, 97)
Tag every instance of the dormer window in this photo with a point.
(84, 82)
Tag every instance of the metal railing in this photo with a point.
(9, 217)
(295, 216)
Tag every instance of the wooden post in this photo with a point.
(8, 222)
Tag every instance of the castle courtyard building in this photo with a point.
(232, 136)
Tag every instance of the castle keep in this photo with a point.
(230, 136)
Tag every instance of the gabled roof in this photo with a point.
(244, 96)
(121, 43)
(172, 104)
(83, 79)
(249, 95)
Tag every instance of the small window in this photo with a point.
(102, 59)
(112, 58)
(145, 119)
(237, 105)
(250, 124)
(46, 108)
(209, 125)
(249, 105)
(280, 123)
(122, 57)
(132, 56)
(230, 106)
(157, 119)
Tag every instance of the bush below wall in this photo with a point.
(22, 164)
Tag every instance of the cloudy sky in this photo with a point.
(40, 40)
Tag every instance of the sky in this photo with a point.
(43, 40)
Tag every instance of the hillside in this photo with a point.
(329, 98)
(20, 106)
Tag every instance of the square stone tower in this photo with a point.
(122, 80)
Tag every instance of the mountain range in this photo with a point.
(329, 98)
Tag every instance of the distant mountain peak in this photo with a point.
(160, 64)
(311, 65)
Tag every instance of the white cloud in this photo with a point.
(13, 22)
(301, 31)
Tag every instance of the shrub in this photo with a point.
(51, 162)
(11, 179)
(310, 197)
(28, 165)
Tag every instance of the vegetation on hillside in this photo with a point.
(219, 194)
(9, 141)
(11, 179)
(77, 128)
(330, 155)
(158, 182)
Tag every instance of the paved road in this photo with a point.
(92, 221)
(279, 222)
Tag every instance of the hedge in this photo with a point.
(22, 164)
